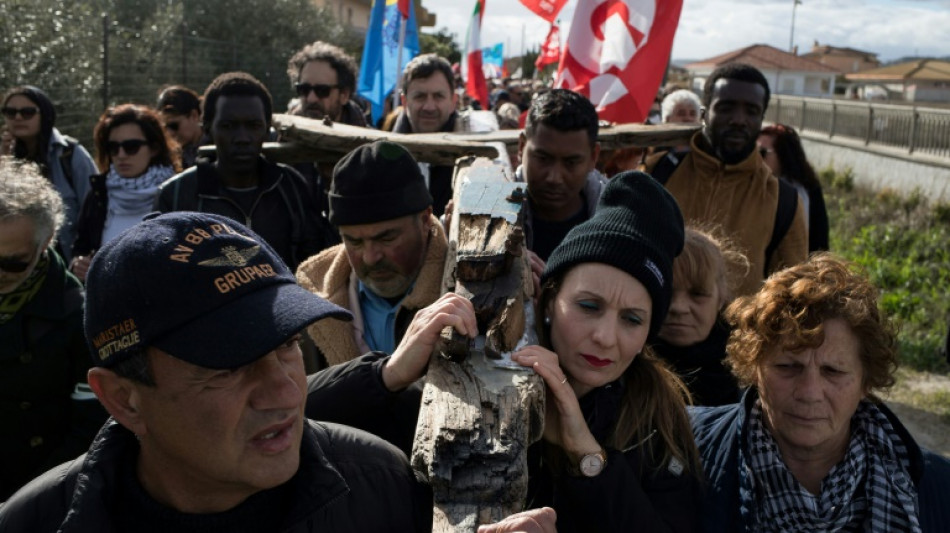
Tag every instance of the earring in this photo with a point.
(547, 321)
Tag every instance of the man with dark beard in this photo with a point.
(724, 181)
(324, 77)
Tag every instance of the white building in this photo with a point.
(787, 73)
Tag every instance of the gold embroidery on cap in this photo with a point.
(232, 257)
(118, 337)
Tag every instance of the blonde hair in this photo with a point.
(709, 259)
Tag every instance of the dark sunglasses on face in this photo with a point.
(130, 146)
(15, 266)
(322, 91)
(25, 112)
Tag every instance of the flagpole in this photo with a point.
(523, 66)
(403, 22)
(791, 37)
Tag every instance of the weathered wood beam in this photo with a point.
(307, 139)
(321, 141)
(478, 418)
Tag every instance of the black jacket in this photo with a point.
(701, 367)
(284, 213)
(632, 493)
(353, 393)
(817, 220)
(348, 481)
(440, 176)
(43, 357)
(92, 217)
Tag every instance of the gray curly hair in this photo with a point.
(25, 192)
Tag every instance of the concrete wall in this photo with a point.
(880, 167)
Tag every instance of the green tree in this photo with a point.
(442, 43)
(60, 46)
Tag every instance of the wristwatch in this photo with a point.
(593, 464)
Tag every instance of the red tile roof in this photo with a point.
(764, 57)
(826, 49)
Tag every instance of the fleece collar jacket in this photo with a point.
(329, 275)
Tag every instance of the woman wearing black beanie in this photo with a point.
(617, 452)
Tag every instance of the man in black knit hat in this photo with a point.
(390, 262)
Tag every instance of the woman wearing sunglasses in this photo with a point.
(28, 133)
(135, 156)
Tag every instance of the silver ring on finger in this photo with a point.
(563, 381)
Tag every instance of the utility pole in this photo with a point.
(791, 38)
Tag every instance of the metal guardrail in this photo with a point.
(914, 129)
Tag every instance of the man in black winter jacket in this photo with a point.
(270, 198)
(193, 322)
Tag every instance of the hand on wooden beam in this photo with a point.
(408, 363)
(533, 521)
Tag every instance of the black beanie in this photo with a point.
(637, 228)
(376, 182)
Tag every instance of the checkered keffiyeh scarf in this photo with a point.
(868, 490)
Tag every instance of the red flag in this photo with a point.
(616, 53)
(472, 67)
(404, 8)
(550, 50)
(546, 9)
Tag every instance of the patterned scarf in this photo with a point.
(10, 304)
(868, 490)
(135, 196)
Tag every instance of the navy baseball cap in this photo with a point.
(201, 287)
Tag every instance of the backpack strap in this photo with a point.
(666, 166)
(66, 160)
(784, 215)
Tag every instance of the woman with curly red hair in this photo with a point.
(811, 447)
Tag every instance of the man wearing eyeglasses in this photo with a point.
(47, 411)
(324, 77)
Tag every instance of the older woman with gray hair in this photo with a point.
(811, 447)
(47, 411)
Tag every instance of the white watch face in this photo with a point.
(592, 464)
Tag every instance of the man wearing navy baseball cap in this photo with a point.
(193, 322)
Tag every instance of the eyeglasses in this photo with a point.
(172, 126)
(16, 266)
(25, 112)
(130, 146)
(322, 91)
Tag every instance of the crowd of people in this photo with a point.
(230, 343)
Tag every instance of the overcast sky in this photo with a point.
(889, 28)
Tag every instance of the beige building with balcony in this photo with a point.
(354, 14)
